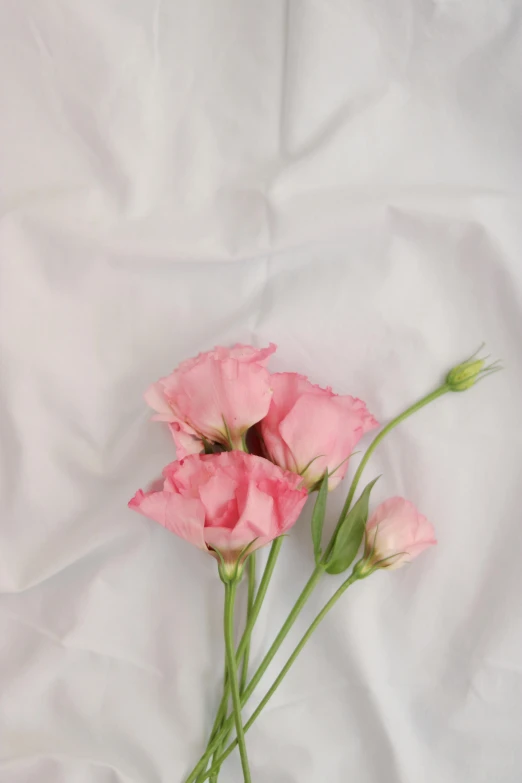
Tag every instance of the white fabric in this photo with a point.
(341, 177)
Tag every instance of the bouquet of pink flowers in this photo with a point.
(251, 447)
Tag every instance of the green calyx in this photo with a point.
(230, 572)
(231, 569)
(363, 568)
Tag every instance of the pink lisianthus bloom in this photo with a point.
(217, 397)
(225, 502)
(395, 534)
(311, 430)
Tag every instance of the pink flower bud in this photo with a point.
(395, 534)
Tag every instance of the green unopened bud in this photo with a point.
(466, 374)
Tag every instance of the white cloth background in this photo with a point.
(343, 178)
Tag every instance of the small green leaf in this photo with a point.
(350, 534)
(318, 517)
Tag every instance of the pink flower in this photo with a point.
(217, 396)
(224, 501)
(311, 430)
(396, 533)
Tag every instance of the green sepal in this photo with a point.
(228, 435)
(318, 515)
(207, 446)
(350, 534)
(245, 554)
(223, 571)
(303, 471)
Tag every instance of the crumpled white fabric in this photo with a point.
(343, 178)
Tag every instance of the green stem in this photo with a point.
(218, 722)
(260, 597)
(263, 666)
(371, 448)
(324, 611)
(246, 655)
(228, 625)
(250, 606)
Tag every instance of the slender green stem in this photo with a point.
(284, 671)
(230, 597)
(258, 602)
(250, 606)
(263, 666)
(371, 448)
(213, 762)
(218, 721)
(251, 620)
(246, 655)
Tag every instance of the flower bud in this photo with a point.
(466, 374)
(395, 534)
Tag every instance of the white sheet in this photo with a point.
(343, 178)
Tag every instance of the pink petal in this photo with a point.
(246, 353)
(311, 430)
(256, 510)
(218, 498)
(226, 391)
(183, 516)
(230, 542)
(156, 399)
(186, 440)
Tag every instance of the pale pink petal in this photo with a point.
(186, 476)
(317, 415)
(156, 399)
(289, 504)
(285, 392)
(226, 391)
(247, 353)
(359, 412)
(287, 387)
(232, 541)
(186, 440)
(183, 516)
(256, 510)
(217, 495)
